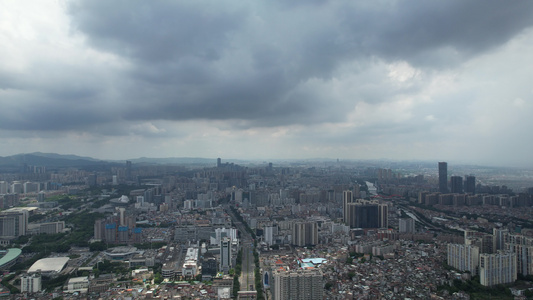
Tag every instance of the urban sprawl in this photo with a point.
(288, 230)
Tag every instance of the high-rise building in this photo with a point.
(498, 268)
(16, 187)
(463, 257)
(149, 196)
(522, 246)
(30, 187)
(297, 284)
(41, 197)
(13, 223)
(366, 214)
(443, 177)
(4, 187)
(470, 184)
(225, 255)
(128, 170)
(123, 234)
(383, 215)
(304, 233)
(91, 180)
(30, 283)
(110, 233)
(406, 225)
(456, 183)
(499, 238)
(99, 232)
(347, 197)
(269, 234)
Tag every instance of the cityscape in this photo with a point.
(281, 150)
(72, 228)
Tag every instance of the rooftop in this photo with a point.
(9, 256)
(53, 264)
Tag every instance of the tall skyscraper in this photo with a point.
(225, 254)
(470, 184)
(383, 215)
(269, 234)
(443, 177)
(456, 183)
(347, 197)
(128, 170)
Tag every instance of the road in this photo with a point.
(247, 277)
(248, 266)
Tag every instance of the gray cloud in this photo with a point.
(254, 65)
(211, 60)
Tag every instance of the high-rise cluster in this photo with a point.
(364, 213)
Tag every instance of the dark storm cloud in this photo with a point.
(249, 61)
(420, 32)
(157, 31)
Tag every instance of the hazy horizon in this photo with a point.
(399, 80)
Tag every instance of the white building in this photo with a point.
(13, 222)
(78, 284)
(464, 257)
(406, 225)
(221, 233)
(16, 187)
(269, 234)
(499, 268)
(30, 283)
(49, 266)
(30, 187)
(190, 264)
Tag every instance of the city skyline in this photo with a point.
(396, 80)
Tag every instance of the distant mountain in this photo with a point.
(49, 160)
(64, 156)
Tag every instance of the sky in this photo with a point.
(401, 80)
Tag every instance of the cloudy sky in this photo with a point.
(431, 80)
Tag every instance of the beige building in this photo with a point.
(297, 284)
(499, 268)
(464, 257)
(522, 246)
(305, 233)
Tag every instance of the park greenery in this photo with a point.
(238, 269)
(477, 291)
